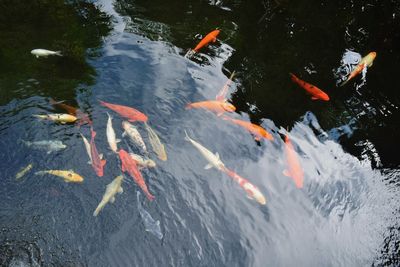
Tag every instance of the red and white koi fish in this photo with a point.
(97, 162)
(315, 92)
(211, 37)
(127, 112)
(221, 96)
(294, 169)
(252, 191)
(129, 165)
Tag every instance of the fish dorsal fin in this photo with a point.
(101, 156)
(217, 155)
(120, 190)
(208, 166)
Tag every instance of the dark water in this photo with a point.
(131, 53)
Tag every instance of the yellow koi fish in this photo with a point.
(68, 176)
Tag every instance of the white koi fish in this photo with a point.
(112, 141)
(109, 196)
(88, 149)
(214, 160)
(45, 53)
(156, 144)
(140, 161)
(134, 134)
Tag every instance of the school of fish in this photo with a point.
(133, 163)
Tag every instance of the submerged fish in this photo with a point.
(365, 62)
(156, 144)
(294, 169)
(48, 145)
(112, 140)
(144, 163)
(23, 171)
(252, 191)
(45, 53)
(218, 107)
(150, 224)
(129, 165)
(61, 118)
(87, 147)
(109, 196)
(211, 37)
(134, 134)
(314, 91)
(221, 96)
(97, 159)
(214, 160)
(127, 112)
(258, 131)
(68, 176)
(70, 109)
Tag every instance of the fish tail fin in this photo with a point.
(58, 53)
(188, 106)
(22, 141)
(150, 196)
(92, 132)
(41, 173)
(39, 116)
(293, 77)
(108, 114)
(103, 162)
(344, 83)
(98, 209)
(187, 138)
(103, 103)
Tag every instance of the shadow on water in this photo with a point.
(337, 219)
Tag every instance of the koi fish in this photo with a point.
(45, 53)
(70, 109)
(144, 163)
(109, 196)
(87, 146)
(68, 176)
(365, 62)
(156, 144)
(211, 37)
(214, 160)
(61, 118)
(97, 159)
(134, 135)
(294, 169)
(252, 191)
(112, 140)
(127, 112)
(258, 131)
(315, 92)
(219, 107)
(221, 96)
(129, 165)
(23, 171)
(47, 145)
(150, 224)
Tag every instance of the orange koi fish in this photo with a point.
(294, 170)
(97, 162)
(129, 165)
(221, 96)
(130, 113)
(365, 62)
(211, 37)
(258, 131)
(218, 107)
(70, 109)
(314, 91)
(252, 191)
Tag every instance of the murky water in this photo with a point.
(132, 53)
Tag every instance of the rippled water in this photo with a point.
(132, 53)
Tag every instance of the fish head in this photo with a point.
(324, 97)
(259, 197)
(228, 107)
(372, 55)
(125, 125)
(74, 177)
